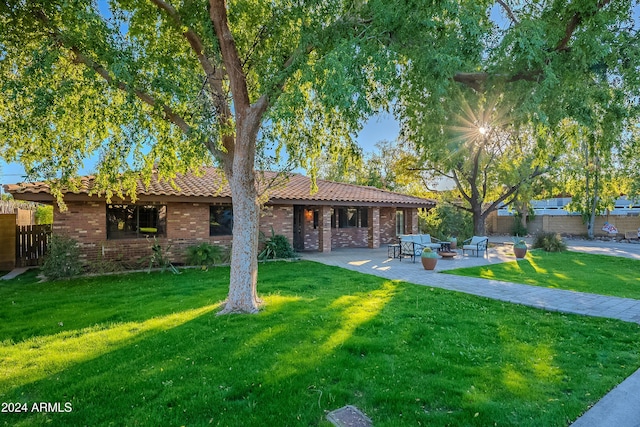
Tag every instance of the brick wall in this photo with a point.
(187, 225)
(356, 237)
(374, 228)
(278, 217)
(311, 235)
(387, 225)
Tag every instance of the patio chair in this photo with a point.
(476, 244)
(410, 246)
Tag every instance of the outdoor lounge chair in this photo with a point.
(476, 244)
(411, 246)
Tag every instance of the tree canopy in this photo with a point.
(159, 86)
(501, 124)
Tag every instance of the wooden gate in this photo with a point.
(31, 244)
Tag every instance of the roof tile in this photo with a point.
(293, 187)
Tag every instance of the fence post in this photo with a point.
(7, 241)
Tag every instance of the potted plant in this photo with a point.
(429, 259)
(519, 247)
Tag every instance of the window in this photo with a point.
(220, 220)
(350, 217)
(135, 221)
(399, 222)
(364, 217)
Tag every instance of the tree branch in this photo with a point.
(213, 75)
(508, 10)
(230, 57)
(573, 24)
(514, 188)
(477, 80)
(170, 115)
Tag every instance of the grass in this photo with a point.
(597, 274)
(148, 349)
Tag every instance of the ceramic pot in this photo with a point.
(429, 263)
(519, 252)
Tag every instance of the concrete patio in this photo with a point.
(377, 262)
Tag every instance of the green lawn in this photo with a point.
(597, 274)
(149, 350)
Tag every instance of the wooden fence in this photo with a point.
(31, 244)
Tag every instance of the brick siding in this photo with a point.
(188, 224)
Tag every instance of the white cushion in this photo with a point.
(477, 239)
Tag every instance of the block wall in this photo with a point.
(564, 224)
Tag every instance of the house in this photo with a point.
(198, 209)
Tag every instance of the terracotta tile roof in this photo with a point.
(295, 187)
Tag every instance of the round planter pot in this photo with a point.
(429, 263)
(519, 252)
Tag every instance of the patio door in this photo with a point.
(298, 228)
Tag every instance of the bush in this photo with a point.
(550, 242)
(518, 228)
(204, 254)
(62, 259)
(159, 257)
(276, 246)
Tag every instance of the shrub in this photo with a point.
(204, 254)
(550, 242)
(159, 257)
(62, 259)
(519, 243)
(518, 228)
(276, 246)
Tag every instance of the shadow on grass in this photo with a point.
(597, 274)
(35, 309)
(405, 354)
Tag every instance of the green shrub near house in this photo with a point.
(62, 259)
(204, 254)
(275, 247)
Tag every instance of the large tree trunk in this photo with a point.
(478, 221)
(243, 297)
(238, 162)
(240, 172)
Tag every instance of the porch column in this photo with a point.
(374, 228)
(324, 232)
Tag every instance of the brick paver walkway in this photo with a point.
(375, 262)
